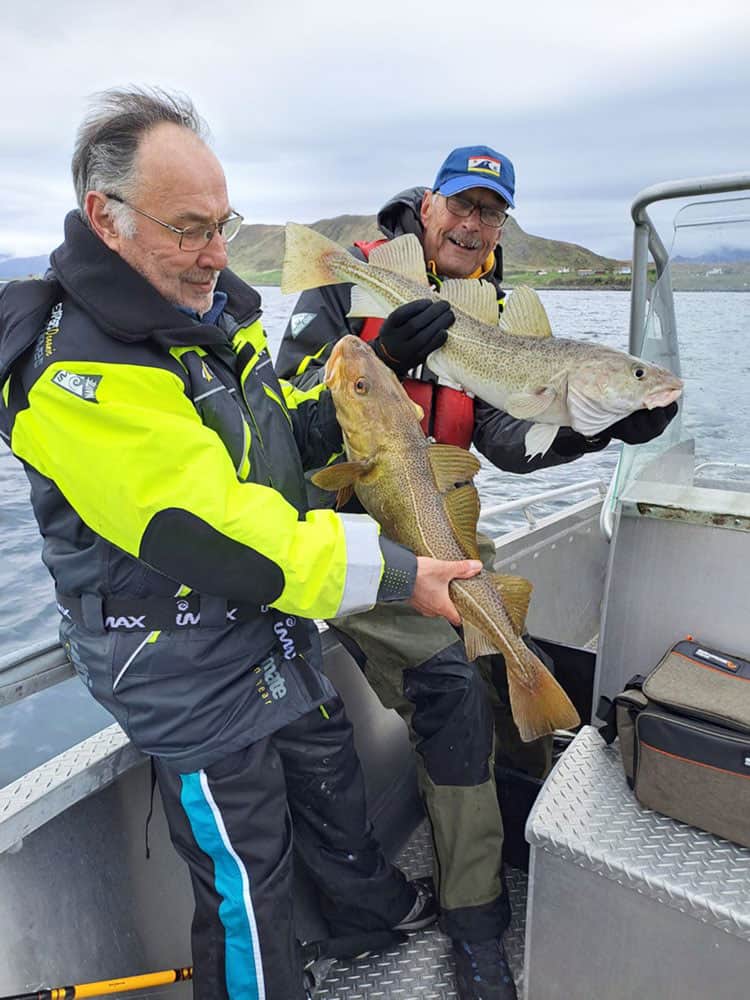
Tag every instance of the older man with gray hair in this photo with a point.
(166, 468)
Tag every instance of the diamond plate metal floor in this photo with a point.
(422, 968)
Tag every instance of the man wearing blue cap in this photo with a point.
(458, 712)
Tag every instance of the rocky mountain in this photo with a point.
(22, 267)
(257, 251)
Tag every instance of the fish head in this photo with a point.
(610, 385)
(372, 407)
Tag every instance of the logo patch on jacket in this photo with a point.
(300, 321)
(484, 165)
(45, 345)
(83, 386)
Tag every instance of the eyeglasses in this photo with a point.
(194, 237)
(463, 208)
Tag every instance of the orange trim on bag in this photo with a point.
(707, 666)
(675, 756)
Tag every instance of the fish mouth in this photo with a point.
(337, 358)
(663, 397)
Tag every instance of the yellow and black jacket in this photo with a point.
(166, 468)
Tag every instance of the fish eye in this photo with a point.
(362, 386)
(639, 371)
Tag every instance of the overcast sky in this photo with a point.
(320, 108)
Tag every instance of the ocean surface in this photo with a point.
(714, 329)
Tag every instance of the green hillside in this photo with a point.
(256, 254)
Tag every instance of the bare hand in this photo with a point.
(430, 595)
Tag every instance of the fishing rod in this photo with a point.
(107, 986)
(352, 946)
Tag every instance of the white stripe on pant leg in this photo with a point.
(245, 884)
(232, 884)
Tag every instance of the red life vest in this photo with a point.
(448, 413)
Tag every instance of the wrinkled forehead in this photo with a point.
(175, 167)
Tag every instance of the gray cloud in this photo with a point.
(321, 109)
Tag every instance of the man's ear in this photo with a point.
(100, 220)
(426, 206)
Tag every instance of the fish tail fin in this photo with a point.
(308, 259)
(539, 704)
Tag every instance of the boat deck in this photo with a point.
(422, 968)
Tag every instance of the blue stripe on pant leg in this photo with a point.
(243, 967)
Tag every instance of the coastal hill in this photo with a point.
(257, 253)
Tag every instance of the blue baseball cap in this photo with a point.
(476, 166)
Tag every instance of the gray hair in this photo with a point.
(108, 139)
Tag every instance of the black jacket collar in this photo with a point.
(126, 306)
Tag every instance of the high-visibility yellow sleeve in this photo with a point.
(140, 469)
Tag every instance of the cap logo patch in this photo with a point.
(484, 165)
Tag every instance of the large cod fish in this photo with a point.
(515, 365)
(423, 497)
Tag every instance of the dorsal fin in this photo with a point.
(475, 298)
(451, 465)
(462, 508)
(525, 314)
(404, 256)
(516, 594)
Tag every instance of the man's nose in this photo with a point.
(214, 254)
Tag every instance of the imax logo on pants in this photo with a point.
(125, 621)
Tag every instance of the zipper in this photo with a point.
(689, 710)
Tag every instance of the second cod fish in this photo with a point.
(515, 365)
(423, 497)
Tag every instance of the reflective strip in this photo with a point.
(254, 335)
(151, 637)
(243, 471)
(294, 397)
(311, 357)
(364, 563)
(277, 399)
(243, 968)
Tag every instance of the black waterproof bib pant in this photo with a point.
(232, 823)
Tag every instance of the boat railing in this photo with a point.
(734, 466)
(525, 504)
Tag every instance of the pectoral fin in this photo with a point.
(529, 403)
(539, 439)
(516, 594)
(451, 465)
(345, 474)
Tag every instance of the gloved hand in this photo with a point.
(642, 425)
(637, 428)
(411, 332)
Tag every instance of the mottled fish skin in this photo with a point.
(585, 386)
(381, 427)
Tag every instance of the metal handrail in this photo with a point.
(645, 237)
(524, 503)
(720, 465)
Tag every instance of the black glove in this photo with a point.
(411, 332)
(637, 428)
(642, 425)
